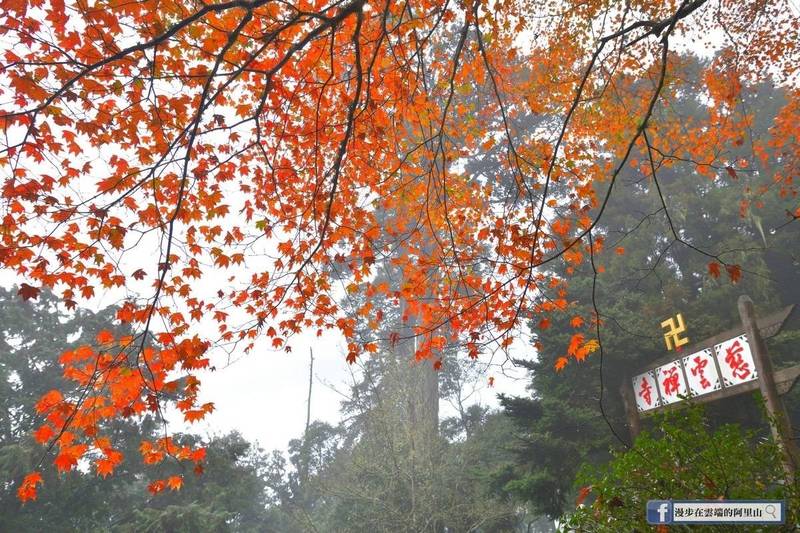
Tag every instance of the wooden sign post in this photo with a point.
(628, 400)
(728, 364)
(779, 418)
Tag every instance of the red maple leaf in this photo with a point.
(28, 292)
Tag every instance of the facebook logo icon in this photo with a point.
(659, 512)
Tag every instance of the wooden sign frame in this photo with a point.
(768, 326)
(771, 384)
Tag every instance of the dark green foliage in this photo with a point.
(576, 415)
(385, 481)
(684, 459)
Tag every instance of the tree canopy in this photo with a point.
(289, 147)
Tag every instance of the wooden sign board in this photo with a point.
(731, 363)
(718, 367)
(702, 372)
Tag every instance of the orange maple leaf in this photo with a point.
(65, 461)
(104, 467)
(43, 434)
(193, 415)
(48, 401)
(575, 343)
(27, 489)
(198, 455)
(175, 482)
(587, 348)
(105, 337)
(157, 486)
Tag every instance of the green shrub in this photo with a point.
(684, 459)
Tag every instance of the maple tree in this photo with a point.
(259, 138)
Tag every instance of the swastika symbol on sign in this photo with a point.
(675, 327)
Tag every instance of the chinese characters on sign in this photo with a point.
(671, 382)
(735, 361)
(701, 373)
(730, 363)
(644, 385)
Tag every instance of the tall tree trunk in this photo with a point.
(421, 382)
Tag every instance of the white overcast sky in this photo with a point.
(264, 394)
